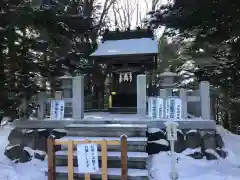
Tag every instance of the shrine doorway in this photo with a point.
(124, 91)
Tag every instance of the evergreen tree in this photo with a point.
(39, 42)
(213, 26)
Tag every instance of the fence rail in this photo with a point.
(103, 143)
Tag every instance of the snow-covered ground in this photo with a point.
(159, 165)
(189, 169)
(9, 170)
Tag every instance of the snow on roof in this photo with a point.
(127, 47)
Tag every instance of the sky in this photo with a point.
(136, 7)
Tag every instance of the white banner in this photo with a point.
(87, 158)
(150, 106)
(173, 108)
(155, 107)
(160, 108)
(168, 108)
(57, 109)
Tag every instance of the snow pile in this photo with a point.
(189, 168)
(32, 170)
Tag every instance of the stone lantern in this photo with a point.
(168, 82)
(168, 79)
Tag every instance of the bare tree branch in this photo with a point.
(155, 3)
(125, 12)
(107, 5)
(119, 16)
(137, 21)
(147, 3)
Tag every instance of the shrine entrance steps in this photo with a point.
(123, 110)
(137, 157)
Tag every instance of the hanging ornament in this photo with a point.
(120, 78)
(125, 77)
(130, 77)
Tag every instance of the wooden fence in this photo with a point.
(103, 143)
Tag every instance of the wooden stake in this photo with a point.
(51, 159)
(104, 159)
(124, 156)
(87, 177)
(70, 160)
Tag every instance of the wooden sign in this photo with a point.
(171, 128)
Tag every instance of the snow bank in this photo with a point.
(189, 168)
(32, 170)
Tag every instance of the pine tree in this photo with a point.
(213, 25)
(39, 43)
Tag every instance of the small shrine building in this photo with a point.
(125, 54)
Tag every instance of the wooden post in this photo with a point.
(124, 169)
(51, 159)
(104, 160)
(70, 160)
(86, 176)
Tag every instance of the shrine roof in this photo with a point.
(130, 42)
(127, 47)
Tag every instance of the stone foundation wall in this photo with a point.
(195, 143)
(198, 144)
(27, 144)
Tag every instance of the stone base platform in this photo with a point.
(108, 118)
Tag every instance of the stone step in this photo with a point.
(135, 144)
(91, 120)
(107, 130)
(123, 110)
(135, 159)
(113, 174)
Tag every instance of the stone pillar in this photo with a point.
(78, 97)
(141, 95)
(183, 97)
(58, 95)
(205, 100)
(163, 93)
(41, 98)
